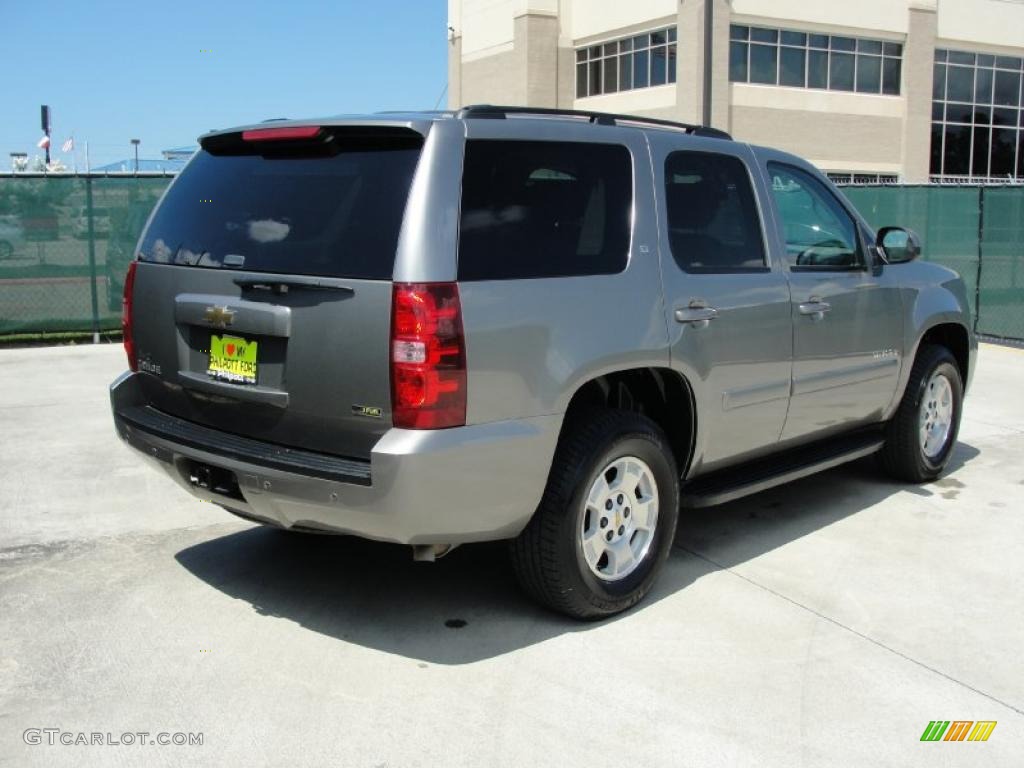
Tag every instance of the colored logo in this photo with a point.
(958, 730)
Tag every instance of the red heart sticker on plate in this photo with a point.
(231, 350)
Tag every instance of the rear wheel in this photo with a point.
(921, 436)
(607, 519)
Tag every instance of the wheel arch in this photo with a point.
(661, 394)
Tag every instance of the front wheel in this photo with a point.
(607, 519)
(921, 436)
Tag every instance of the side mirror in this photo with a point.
(898, 245)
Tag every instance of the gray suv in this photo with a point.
(556, 328)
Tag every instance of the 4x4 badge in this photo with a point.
(219, 316)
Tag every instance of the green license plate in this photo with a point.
(232, 358)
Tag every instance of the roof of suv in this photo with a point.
(420, 120)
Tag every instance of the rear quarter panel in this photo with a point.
(532, 343)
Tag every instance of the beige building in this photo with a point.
(907, 89)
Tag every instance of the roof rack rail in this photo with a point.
(494, 112)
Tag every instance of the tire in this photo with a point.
(907, 455)
(549, 556)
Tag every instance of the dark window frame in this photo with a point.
(478, 272)
(757, 211)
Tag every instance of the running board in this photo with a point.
(741, 480)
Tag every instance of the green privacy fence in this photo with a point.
(65, 243)
(978, 231)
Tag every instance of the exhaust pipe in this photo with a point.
(428, 553)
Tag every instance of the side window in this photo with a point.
(713, 221)
(544, 209)
(818, 232)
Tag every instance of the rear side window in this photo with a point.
(544, 209)
(335, 213)
(713, 221)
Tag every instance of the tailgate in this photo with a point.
(262, 300)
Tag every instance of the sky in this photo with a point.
(166, 72)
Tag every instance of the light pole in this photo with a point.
(135, 142)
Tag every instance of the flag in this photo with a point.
(68, 145)
(44, 143)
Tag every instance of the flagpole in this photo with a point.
(87, 170)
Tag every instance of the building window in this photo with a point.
(807, 60)
(977, 117)
(641, 61)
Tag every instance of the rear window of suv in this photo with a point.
(333, 212)
(544, 209)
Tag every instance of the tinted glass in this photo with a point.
(659, 70)
(979, 164)
(544, 209)
(336, 216)
(956, 155)
(983, 86)
(960, 84)
(939, 81)
(1007, 90)
(713, 221)
(1003, 142)
(738, 62)
(869, 74)
(891, 77)
(817, 69)
(763, 66)
(935, 165)
(817, 230)
(640, 69)
(840, 77)
(791, 67)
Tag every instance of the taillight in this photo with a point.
(126, 316)
(428, 356)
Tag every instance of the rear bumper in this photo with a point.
(474, 483)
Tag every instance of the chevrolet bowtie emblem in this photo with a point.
(219, 316)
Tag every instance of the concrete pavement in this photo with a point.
(821, 623)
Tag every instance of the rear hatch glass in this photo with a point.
(279, 254)
(326, 208)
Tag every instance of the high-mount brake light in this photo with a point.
(127, 300)
(428, 356)
(281, 134)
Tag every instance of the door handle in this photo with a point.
(696, 315)
(815, 307)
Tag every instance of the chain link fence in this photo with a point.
(65, 243)
(976, 230)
